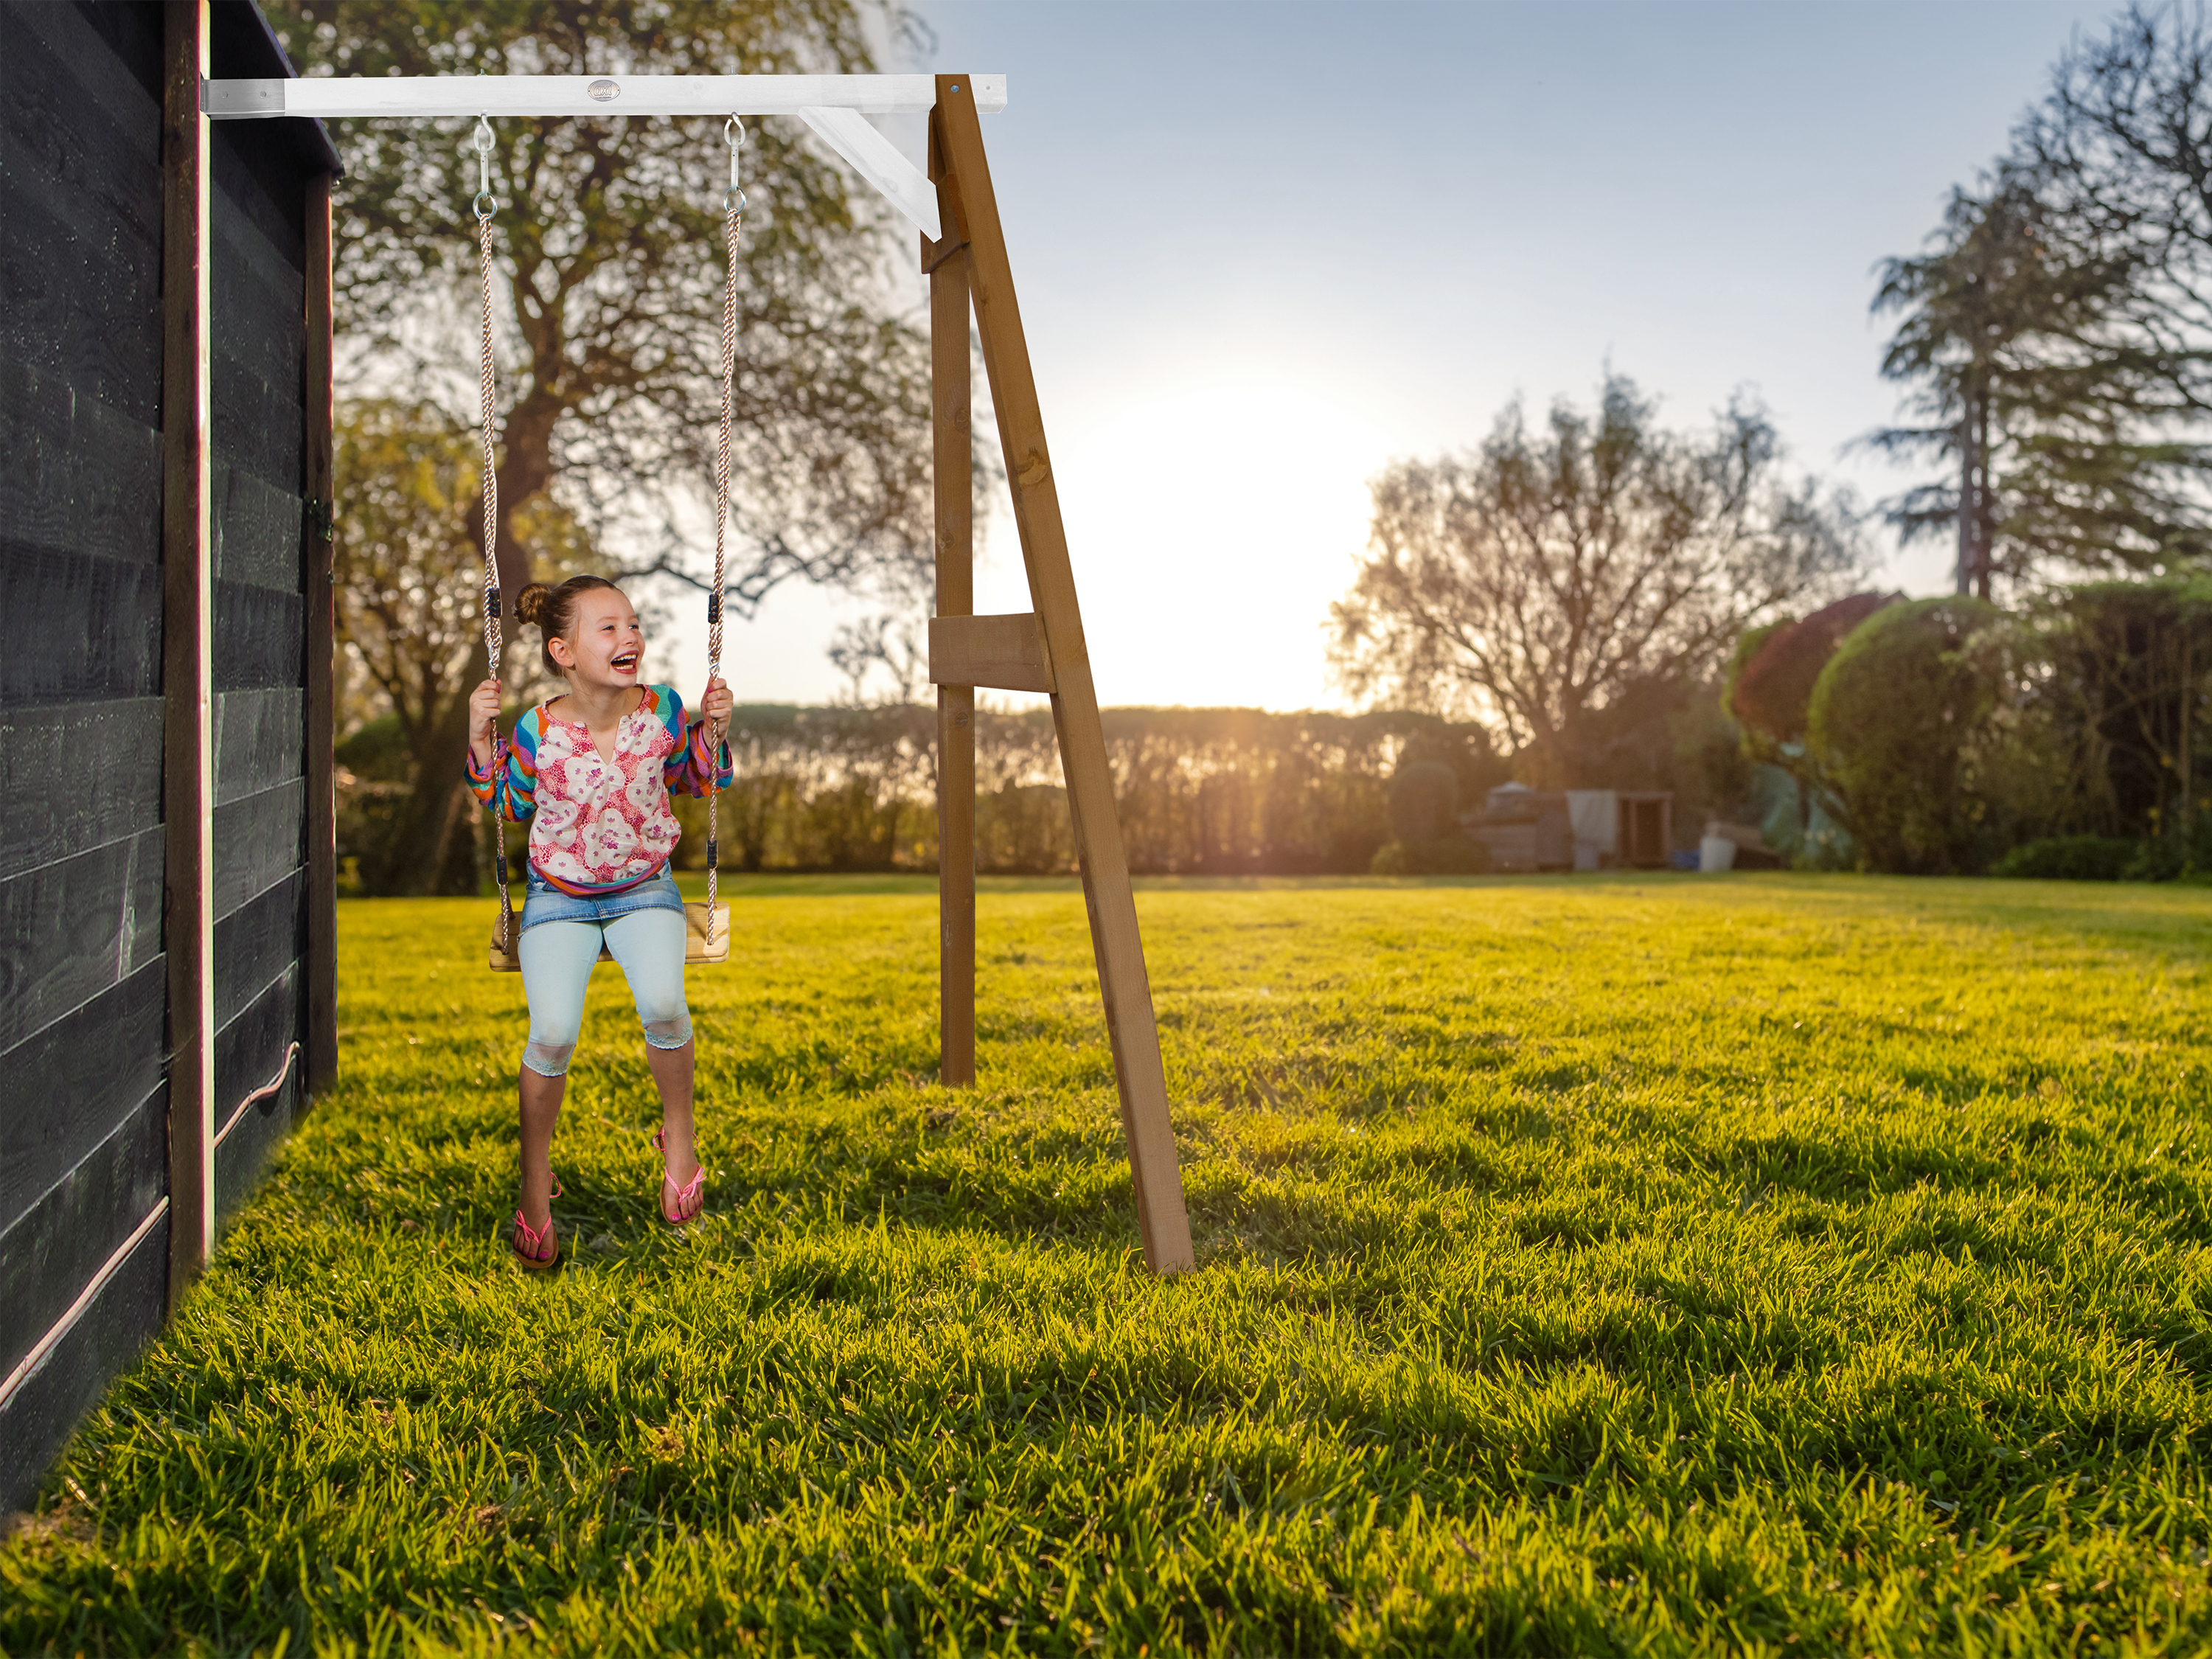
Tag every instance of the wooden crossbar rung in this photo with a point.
(1005, 653)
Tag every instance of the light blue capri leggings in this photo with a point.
(557, 955)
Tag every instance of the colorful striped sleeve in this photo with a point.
(685, 771)
(515, 791)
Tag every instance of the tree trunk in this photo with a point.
(1967, 512)
(431, 849)
(1985, 498)
(525, 471)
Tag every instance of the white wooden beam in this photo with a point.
(401, 97)
(877, 160)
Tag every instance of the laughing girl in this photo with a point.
(590, 772)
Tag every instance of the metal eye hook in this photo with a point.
(734, 133)
(483, 135)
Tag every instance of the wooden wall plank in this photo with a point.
(259, 423)
(78, 152)
(69, 781)
(55, 1246)
(319, 645)
(123, 1316)
(105, 48)
(256, 528)
(92, 1068)
(257, 281)
(250, 1048)
(1119, 948)
(249, 1051)
(80, 478)
(244, 1155)
(257, 741)
(257, 637)
(68, 931)
(258, 842)
(262, 172)
(188, 612)
(82, 138)
(255, 942)
(100, 627)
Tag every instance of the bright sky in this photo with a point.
(1263, 248)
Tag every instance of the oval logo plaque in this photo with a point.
(604, 92)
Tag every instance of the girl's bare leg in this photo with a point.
(672, 1071)
(541, 1108)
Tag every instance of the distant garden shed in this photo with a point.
(166, 914)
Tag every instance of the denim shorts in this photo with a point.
(543, 902)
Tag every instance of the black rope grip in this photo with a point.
(491, 602)
(714, 861)
(714, 608)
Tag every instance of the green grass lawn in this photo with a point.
(1782, 1264)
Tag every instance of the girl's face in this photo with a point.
(605, 646)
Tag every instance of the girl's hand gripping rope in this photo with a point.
(715, 706)
(483, 711)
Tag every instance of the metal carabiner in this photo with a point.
(486, 204)
(733, 134)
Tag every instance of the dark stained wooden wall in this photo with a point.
(83, 1150)
(257, 285)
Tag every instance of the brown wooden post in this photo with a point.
(322, 969)
(953, 457)
(187, 612)
(1114, 937)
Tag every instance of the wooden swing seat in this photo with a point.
(695, 946)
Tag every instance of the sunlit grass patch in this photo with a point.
(1637, 1265)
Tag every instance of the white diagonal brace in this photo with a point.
(877, 160)
(390, 97)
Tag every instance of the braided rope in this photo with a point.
(733, 221)
(494, 646)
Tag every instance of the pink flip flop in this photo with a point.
(535, 1247)
(685, 1195)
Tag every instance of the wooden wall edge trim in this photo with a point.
(318, 367)
(187, 645)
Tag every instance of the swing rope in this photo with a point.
(485, 206)
(733, 209)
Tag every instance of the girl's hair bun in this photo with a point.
(530, 603)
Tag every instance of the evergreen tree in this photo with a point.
(2053, 412)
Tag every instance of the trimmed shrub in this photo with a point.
(2069, 858)
(1922, 729)
(1446, 855)
(1424, 802)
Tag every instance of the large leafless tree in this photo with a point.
(1555, 577)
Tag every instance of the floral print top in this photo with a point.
(599, 826)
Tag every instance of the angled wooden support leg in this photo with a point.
(953, 456)
(1122, 978)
